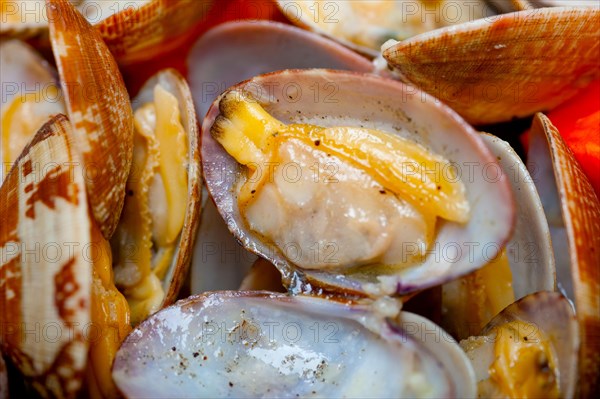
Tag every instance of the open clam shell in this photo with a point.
(178, 251)
(221, 345)
(469, 303)
(30, 95)
(573, 210)
(98, 107)
(492, 70)
(365, 25)
(45, 277)
(394, 108)
(546, 315)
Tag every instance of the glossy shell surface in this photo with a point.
(221, 345)
(44, 209)
(495, 69)
(579, 208)
(214, 60)
(98, 107)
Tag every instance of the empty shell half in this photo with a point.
(261, 344)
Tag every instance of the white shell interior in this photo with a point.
(234, 344)
(529, 249)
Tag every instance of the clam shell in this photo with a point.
(98, 107)
(143, 32)
(265, 47)
(221, 346)
(492, 70)
(23, 26)
(340, 21)
(44, 274)
(563, 184)
(134, 30)
(175, 84)
(397, 109)
(25, 72)
(529, 250)
(22, 65)
(547, 312)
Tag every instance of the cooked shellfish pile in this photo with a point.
(361, 236)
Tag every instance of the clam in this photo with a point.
(134, 30)
(48, 201)
(27, 18)
(30, 95)
(362, 253)
(45, 270)
(220, 345)
(493, 70)
(83, 298)
(153, 243)
(365, 25)
(573, 211)
(98, 108)
(526, 266)
(148, 30)
(528, 350)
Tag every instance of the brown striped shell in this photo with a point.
(98, 107)
(133, 30)
(358, 24)
(143, 32)
(495, 69)
(44, 274)
(580, 211)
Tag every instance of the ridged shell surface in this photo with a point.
(99, 110)
(44, 274)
